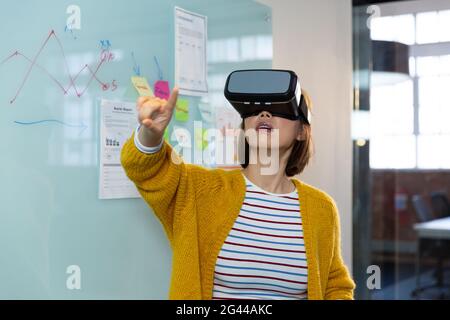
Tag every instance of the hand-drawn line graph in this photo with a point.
(105, 57)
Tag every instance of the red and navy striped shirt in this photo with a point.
(264, 255)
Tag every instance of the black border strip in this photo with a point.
(356, 3)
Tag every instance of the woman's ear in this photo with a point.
(301, 136)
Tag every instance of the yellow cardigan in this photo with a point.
(197, 208)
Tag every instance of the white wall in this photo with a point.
(314, 38)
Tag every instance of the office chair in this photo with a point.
(440, 204)
(434, 248)
(423, 212)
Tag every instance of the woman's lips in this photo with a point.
(264, 126)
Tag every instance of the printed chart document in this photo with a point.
(118, 120)
(190, 52)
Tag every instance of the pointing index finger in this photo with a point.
(173, 98)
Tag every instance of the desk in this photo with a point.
(435, 229)
(438, 229)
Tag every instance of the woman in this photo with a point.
(240, 234)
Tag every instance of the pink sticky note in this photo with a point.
(162, 89)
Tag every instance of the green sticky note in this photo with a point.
(166, 134)
(200, 139)
(182, 110)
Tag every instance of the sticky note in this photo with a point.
(162, 89)
(142, 86)
(166, 134)
(200, 138)
(182, 110)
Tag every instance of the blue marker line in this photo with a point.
(136, 68)
(71, 31)
(160, 73)
(105, 44)
(82, 126)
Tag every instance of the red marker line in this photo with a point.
(72, 79)
(31, 66)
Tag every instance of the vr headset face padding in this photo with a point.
(305, 114)
(303, 109)
(277, 91)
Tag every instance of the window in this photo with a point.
(433, 27)
(409, 121)
(395, 28)
(392, 138)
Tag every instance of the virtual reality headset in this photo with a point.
(275, 91)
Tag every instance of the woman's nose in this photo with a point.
(265, 114)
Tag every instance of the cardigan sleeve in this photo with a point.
(161, 178)
(340, 285)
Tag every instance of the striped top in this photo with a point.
(263, 256)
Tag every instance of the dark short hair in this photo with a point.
(301, 151)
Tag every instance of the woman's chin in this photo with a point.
(264, 146)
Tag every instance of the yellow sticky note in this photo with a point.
(142, 86)
(182, 110)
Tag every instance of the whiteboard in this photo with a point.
(51, 79)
